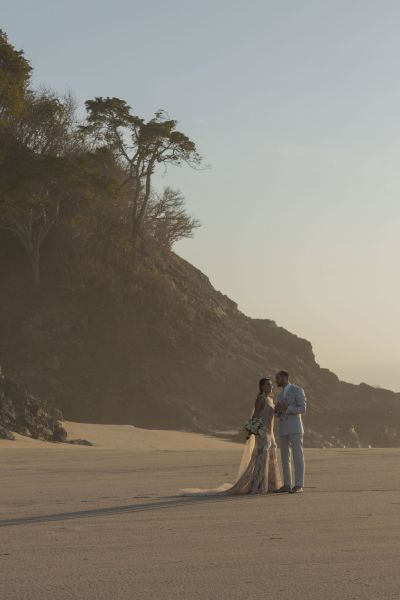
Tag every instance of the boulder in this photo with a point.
(27, 414)
(59, 433)
(80, 442)
(5, 434)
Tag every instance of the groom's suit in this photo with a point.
(290, 431)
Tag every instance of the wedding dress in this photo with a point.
(259, 470)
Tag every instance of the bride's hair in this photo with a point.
(262, 382)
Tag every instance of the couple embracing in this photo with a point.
(259, 470)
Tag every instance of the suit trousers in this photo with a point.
(292, 445)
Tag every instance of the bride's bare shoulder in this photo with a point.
(260, 400)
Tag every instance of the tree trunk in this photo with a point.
(35, 265)
(32, 248)
(31, 241)
(140, 208)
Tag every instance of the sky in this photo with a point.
(295, 107)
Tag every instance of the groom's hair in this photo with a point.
(283, 374)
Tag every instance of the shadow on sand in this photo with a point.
(118, 510)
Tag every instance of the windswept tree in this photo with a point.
(167, 218)
(140, 146)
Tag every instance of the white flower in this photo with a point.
(255, 426)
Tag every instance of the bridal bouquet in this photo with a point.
(254, 426)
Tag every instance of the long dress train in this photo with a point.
(259, 470)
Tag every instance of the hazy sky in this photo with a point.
(296, 107)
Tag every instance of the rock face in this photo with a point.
(161, 348)
(26, 414)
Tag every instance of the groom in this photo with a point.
(290, 405)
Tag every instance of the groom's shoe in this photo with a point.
(285, 489)
(298, 489)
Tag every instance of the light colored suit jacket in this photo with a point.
(290, 422)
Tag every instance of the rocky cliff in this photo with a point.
(165, 349)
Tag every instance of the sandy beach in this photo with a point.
(105, 522)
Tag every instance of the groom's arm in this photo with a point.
(301, 403)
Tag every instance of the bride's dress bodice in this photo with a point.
(268, 418)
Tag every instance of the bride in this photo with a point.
(259, 470)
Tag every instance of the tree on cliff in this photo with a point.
(15, 73)
(37, 170)
(95, 178)
(140, 146)
(167, 219)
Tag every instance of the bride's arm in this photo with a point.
(259, 406)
